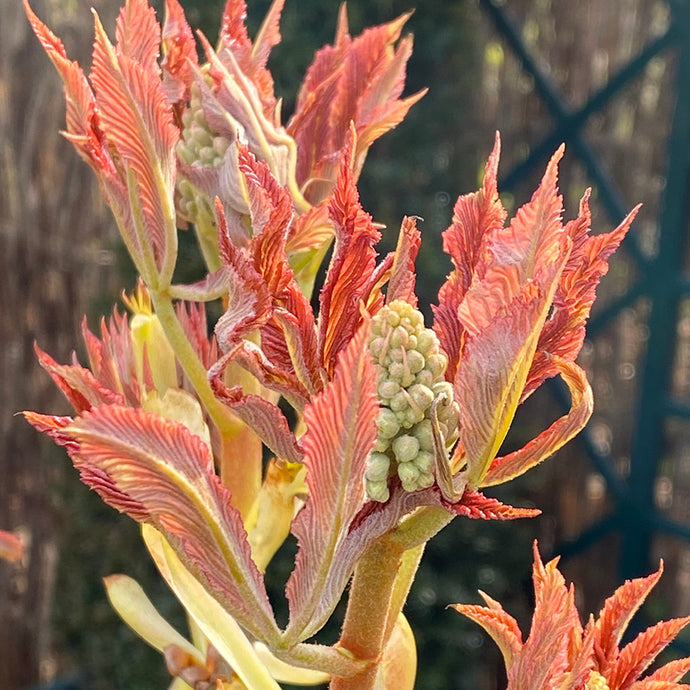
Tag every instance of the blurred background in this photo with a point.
(610, 78)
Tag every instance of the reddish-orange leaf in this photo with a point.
(138, 119)
(543, 660)
(341, 431)
(179, 51)
(132, 457)
(138, 35)
(402, 280)
(289, 338)
(501, 626)
(252, 58)
(474, 217)
(635, 657)
(111, 358)
(617, 613)
(249, 301)
(356, 80)
(564, 330)
(348, 281)
(263, 417)
(83, 124)
(671, 672)
(477, 506)
(78, 384)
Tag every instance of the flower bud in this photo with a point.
(405, 448)
(410, 371)
(377, 467)
(387, 423)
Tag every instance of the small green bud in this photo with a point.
(425, 378)
(377, 467)
(392, 318)
(399, 337)
(426, 479)
(388, 423)
(405, 448)
(421, 396)
(415, 361)
(409, 475)
(396, 371)
(424, 434)
(377, 491)
(424, 462)
(399, 402)
(397, 355)
(426, 342)
(436, 364)
(381, 445)
(376, 346)
(410, 370)
(388, 389)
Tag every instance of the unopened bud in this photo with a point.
(410, 373)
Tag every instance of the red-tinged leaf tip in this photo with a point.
(179, 50)
(50, 42)
(671, 672)
(233, 29)
(564, 330)
(78, 384)
(249, 300)
(500, 626)
(636, 657)
(264, 418)
(355, 80)
(341, 431)
(83, 124)
(618, 611)
(138, 34)
(139, 122)
(559, 653)
(348, 280)
(477, 506)
(11, 547)
(251, 58)
(476, 217)
(402, 281)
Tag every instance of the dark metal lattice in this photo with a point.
(662, 282)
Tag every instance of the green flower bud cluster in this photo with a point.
(200, 146)
(410, 369)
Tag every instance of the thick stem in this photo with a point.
(368, 611)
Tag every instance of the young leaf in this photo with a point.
(475, 216)
(135, 608)
(558, 434)
(132, 457)
(341, 431)
(348, 281)
(212, 618)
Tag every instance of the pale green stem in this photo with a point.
(207, 236)
(224, 420)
